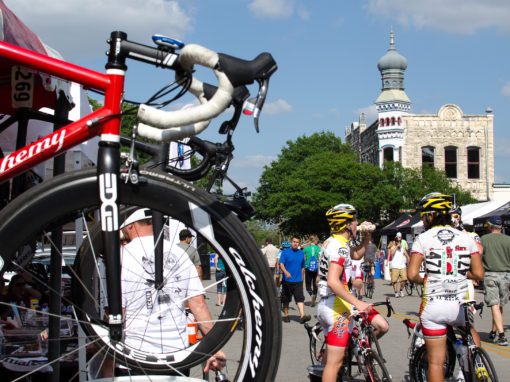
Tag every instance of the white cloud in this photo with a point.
(79, 29)
(278, 107)
(454, 16)
(370, 113)
(506, 89)
(273, 9)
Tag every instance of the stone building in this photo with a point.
(462, 145)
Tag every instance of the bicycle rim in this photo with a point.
(482, 368)
(409, 288)
(374, 369)
(419, 364)
(247, 328)
(317, 348)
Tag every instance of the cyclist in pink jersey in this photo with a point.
(451, 258)
(336, 302)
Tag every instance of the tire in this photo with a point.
(370, 288)
(251, 304)
(374, 343)
(409, 288)
(419, 365)
(374, 369)
(317, 348)
(482, 368)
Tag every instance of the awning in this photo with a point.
(480, 222)
(402, 224)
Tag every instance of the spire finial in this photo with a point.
(392, 39)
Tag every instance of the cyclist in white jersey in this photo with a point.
(451, 257)
(334, 308)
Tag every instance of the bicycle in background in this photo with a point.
(368, 279)
(363, 351)
(473, 360)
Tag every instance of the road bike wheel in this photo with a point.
(419, 364)
(374, 369)
(482, 368)
(409, 288)
(370, 287)
(317, 345)
(419, 289)
(251, 306)
(374, 342)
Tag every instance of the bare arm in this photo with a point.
(199, 309)
(284, 271)
(334, 273)
(476, 271)
(358, 252)
(413, 271)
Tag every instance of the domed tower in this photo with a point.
(392, 103)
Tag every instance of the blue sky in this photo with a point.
(326, 50)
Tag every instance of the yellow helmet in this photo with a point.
(339, 215)
(435, 202)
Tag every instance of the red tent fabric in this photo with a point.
(14, 31)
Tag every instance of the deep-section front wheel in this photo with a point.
(374, 369)
(482, 368)
(247, 328)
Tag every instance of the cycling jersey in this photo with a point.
(447, 255)
(333, 312)
(336, 250)
(356, 270)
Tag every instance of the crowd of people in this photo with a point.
(448, 260)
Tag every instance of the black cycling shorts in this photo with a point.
(292, 289)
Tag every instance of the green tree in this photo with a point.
(314, 173)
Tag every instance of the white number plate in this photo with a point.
(22, 87)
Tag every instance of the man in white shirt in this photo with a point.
(270, 252)
(155, 319)
(399, 258)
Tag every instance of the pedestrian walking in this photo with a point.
(311, 252)
(270, 252)
(399, 258)
(496, 262)
(292, 265)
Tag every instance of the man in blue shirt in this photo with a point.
(292, 265)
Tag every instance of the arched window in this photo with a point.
(388, 154)
(392, 121)
(450, 161)
(387, 121)
(427, 156)
(399, 121)
(473, 162)
(382, 122)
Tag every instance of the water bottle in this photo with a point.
(220, 377)
(366, 228)
(461, 351)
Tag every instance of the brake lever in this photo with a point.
(254, 106)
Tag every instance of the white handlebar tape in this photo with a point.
(191, 54)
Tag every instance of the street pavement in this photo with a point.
(295, 356)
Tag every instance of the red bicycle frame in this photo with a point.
(111, 83)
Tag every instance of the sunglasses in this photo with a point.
(20, 284)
